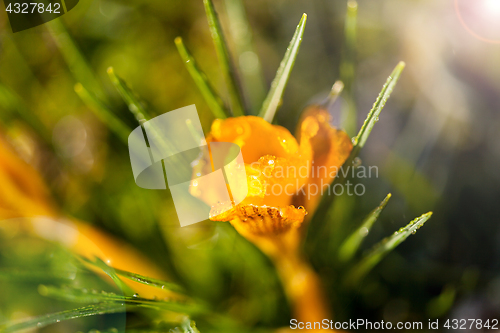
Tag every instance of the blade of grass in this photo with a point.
(133, 103)
(273, 99)
(347, 67)
(99, 263)
(75, 60)
(224, 59)
(213, 100)
(103, 113)
(360, 139)
(151, 281)
(352, 243)
(79, 296)
(250, 65)
(383, 248)
(52, 318)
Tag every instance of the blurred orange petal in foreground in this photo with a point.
(24, 195)
(281, 171)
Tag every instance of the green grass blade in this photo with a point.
(111, 273)
(347, 67)
(70, 294)
(372, 118)
(48, 319)
(352, 243)
(133, 103)
(75, 295)
(140, 113)
(370, 121)
(75, 60)
(273, 99)
(213, 100)
(358, 141)
(151, 281)
(225, 61)
(383, 248)
(103, 113)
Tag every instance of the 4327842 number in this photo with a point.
(33, 7)
(471, 324)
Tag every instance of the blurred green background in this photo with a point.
(436, 145)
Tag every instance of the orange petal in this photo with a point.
(331, 148)
(273, 230)
(23, 193)
(22, 190)
(255, 136)
(276, 165)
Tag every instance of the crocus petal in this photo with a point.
(276, 165)
(331, 148)
(22, 191)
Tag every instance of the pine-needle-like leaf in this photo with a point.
(135, 106)
(352, 243)
(214, 102)
(52, 318)
(103, 113)
(74, 58)
(273, 99)
(70, 294)
(372, 118)
(226, 64)
(133, 103)
(151, 281)
(383, 248)
(111, 273)
(358, 141)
